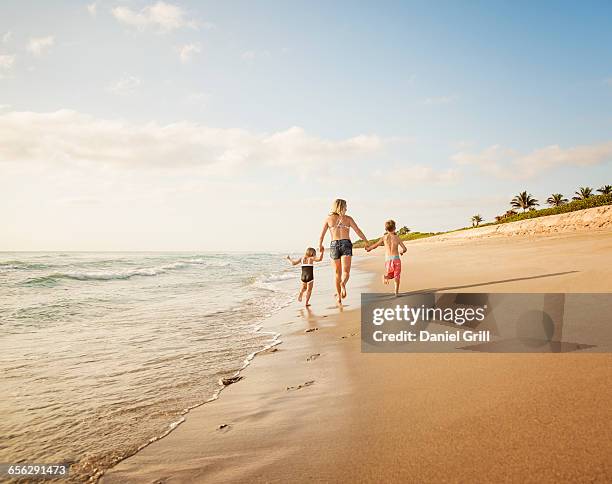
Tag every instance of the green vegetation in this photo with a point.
(509, 213)
(559, 204)
(556, 200)
(581, 204)
(583, 193)
(525, 201)
(605, 190)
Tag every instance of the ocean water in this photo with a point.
(102, 353)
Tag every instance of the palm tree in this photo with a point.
(556, 200)
(605, 190)
(524, 200)
(583, 193)
(476, 219)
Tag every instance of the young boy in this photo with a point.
(393, 263)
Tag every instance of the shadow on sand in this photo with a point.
(489, 283)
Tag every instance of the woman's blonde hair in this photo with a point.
(310, 252)
(338, 207)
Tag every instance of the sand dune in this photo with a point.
(598, 218)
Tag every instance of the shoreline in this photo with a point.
(323, 316)
(275, 341)
(344, 415)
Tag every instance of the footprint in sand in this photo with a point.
(311, 329)
(303, 385)
(349, 335)
(313, 357)
(231, 379)
(225, 427)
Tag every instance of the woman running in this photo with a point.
(339, 225)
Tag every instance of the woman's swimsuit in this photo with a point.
(341, 247)
(340, 225)
(307, 273)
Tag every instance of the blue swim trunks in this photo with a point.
(341, 247)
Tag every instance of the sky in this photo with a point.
(232, 126)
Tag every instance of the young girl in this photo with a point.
(307, 272)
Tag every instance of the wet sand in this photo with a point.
(344, 416)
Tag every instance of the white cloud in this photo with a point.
(38, 45)
(186, 52)
(7, 36)
(92, 8)
(415, 174)
(125, 85)
(198, 98)
(507, 163)
(433, 101)
(160, 16)
(69, 136)
(463, 144)
(6, 64)
(251, 55)
(488, 160)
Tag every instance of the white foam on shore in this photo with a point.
(274, 341)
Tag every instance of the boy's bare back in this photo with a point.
(392, 243)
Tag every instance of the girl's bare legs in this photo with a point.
(337, 263)
(308, 293)
(397, 283)
(302, 291)
(346, 272)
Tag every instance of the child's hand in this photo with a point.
(367, 249)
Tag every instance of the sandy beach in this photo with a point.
(180, 179)
(341, 415)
